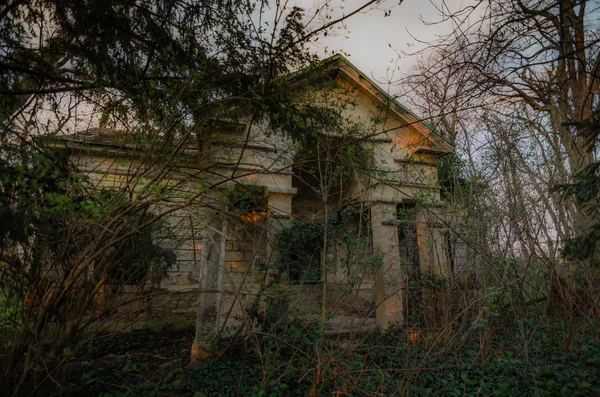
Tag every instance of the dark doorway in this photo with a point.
(409, 257)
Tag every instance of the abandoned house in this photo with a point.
(340, 225)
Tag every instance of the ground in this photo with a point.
(561, 360)
(137, 363)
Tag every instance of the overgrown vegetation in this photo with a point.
(301, 245)
(151, 141)
(499, 363)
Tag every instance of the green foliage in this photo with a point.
(173, 67)
(277, 367)
(98, 381)
(386, 363)
(32, 186)
(301, 243)
(143, 259)
(304, 120)
(62, 240)
(451, 169)
(9, 319)
(382, 364)
(166, 70)
(42, 199)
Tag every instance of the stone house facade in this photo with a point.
(392, 207)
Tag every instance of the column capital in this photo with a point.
(280, 201)
(291, 191)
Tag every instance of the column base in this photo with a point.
(200, 353)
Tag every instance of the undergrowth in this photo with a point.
(558, 361)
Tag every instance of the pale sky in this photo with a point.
(369, 35)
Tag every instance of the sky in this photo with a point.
(378, 44)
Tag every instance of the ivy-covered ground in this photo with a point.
(560, 361)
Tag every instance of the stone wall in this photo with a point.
(166, 304)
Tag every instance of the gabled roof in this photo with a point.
(437, 143)
(433, 141)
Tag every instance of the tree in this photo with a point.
(544, 54)
(513, 84)
(585, 189)
(160, 72)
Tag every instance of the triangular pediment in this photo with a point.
(431, 142)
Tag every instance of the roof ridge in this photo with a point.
(386, 95)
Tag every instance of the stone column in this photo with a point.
(280, 213)
(389, 277)
(210, 283)
(280, 201)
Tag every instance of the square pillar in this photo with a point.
(280, 215)
(389, 276)
(210, 282)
